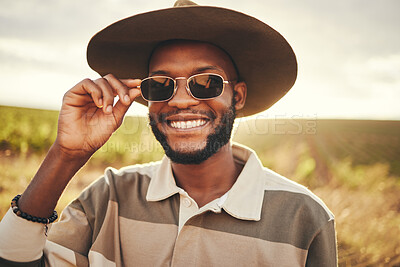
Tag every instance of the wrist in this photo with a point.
(55, 172)
(69, 156)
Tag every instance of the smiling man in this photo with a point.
(204, 124)
(208, 202)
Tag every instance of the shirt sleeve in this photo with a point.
(70, 238)
(323, 249)
(21, 241)
(24, 243)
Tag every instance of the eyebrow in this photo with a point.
(198, 70)
(158, 72)
(208, 68)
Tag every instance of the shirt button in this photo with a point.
(187, 202)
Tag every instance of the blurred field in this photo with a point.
(354, 166)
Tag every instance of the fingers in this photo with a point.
(120, 109)
(89, 87)
(117, 88)
(103, 91)
(111, 87)
(107, 95)
(131, 83)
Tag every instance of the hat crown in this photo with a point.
(180, 3)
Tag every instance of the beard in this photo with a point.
(214, 141)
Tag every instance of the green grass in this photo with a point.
(27, 130)
(354, 166)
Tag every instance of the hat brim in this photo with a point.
(264, 59)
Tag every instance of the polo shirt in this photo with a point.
(138, 216)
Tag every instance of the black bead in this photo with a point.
(17, 211)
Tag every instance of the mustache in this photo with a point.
(162, 117)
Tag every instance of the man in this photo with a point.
(208, 203)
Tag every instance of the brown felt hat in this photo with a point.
(264, 59)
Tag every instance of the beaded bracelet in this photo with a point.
(18, 212)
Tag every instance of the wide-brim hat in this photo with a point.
(264, 59)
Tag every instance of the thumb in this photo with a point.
(120, 108)
(131, 83)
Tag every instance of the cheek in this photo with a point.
(154, 107)
(221, 103)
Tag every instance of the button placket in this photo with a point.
(187, 202)
(188, 209)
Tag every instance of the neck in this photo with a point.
(210, 179)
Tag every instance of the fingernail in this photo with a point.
(109, 109)
(127, 99)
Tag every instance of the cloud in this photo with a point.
(375, 77)
(62, 21)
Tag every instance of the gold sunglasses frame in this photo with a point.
(187, 86)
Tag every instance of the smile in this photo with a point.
(187, 124)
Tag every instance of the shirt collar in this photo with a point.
(246, 196)
(162, 185)
(244, 199)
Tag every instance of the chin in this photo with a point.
(188, 147)
(193, 155)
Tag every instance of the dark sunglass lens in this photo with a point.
(157, 88)
(205, 86)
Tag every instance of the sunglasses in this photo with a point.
(200, 86)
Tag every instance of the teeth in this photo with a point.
(187, 124)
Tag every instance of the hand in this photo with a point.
(88, 118)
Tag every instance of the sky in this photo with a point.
(348, 51)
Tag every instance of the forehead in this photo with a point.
(176, 55)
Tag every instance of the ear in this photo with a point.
(241, 93)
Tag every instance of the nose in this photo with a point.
(182, 99)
